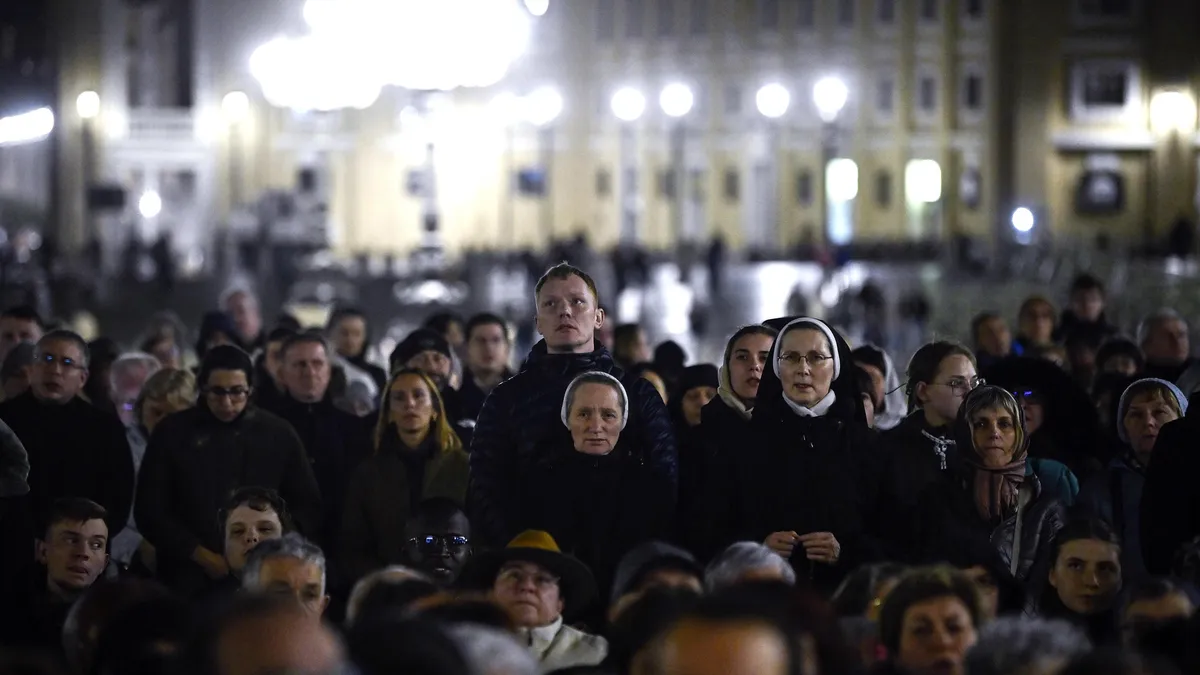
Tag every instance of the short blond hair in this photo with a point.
(171, 385)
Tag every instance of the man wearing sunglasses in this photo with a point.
(75, 449)
(438, 540)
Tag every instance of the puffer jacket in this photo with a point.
(514, 427)
(1116, 496)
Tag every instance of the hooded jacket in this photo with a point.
(947, 518)
(1116, 494)
(811, 473)
(518, 418)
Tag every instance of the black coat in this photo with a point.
(471, 397)
(522, 413)
(1170, 512)
(194, 462)
(596, 508)
(75, 450)
(916, 461)
(947, 520)
(707, 456)
(380, 500)
(811, 474)
(336, 442)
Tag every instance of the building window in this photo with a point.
(696, 185)
(927, 94)
(1105, 10)
(806, 14)
(635, 18)
(885, 12)
(666, 184)
(930, 9)
(970, 189)
(733, 185)
(768, 14)
(883, 188)
(606, 20)
(973, 10)
(845, 13)
(1104, 90)
(666, 18)
(885, 95)
(733, 100)
(603, 183)
(699, 16)
(1100, 193)
(804, 188)
(973, 92)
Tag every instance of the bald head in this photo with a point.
(284, 639)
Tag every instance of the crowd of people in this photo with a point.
(284, 500)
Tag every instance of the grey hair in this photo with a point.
(364, 586)
(491, 651)
(290, 545)
(236, 289)
(1158, 316)
(731, 565)
(596, 377)
(130, 360)
(1023, 644)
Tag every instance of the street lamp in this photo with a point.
(88, 104)
(150, 204)
(830, 94)
(537, 7)
(1022, 220)
(1172, 111)
(235, 106)
(676, 101)
(628, 105)
(542, 107)
(773, 100)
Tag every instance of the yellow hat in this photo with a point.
(576, 584)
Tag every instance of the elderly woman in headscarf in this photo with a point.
(988, 494)
(594, 492)
(1116, 493)
(808, 477)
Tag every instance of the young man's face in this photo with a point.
(438, 547)
(14, 331)
(74, 553)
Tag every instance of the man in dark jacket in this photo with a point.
(488, 351)
(75, 450)
(513, 426)
(335, 441)
(198, 457)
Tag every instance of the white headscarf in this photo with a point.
(592, 375)
(826, 403)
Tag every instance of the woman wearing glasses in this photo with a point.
(987, 496)
(417, 456)
(198, 456)
(940, 375)
(809, 475)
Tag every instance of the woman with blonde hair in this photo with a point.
(167, 391)
(417, 456)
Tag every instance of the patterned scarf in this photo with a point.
(996, 489)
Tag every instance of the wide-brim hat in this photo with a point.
(576, 584)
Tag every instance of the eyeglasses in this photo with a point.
(516, 577)
(234, 393)
(961, 385)
(813, 359)
(66, 362)
(438, 542)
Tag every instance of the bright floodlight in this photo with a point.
(543, 106)
(830, 94)
(1022, 220)
(773, 100)
(88, 104)
(235, 106)
(841, 180)
(923, 181)
(1172, 111)
(676, 100)
(30, 126)
(628, 104)
(537, 7)
(150, 204)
